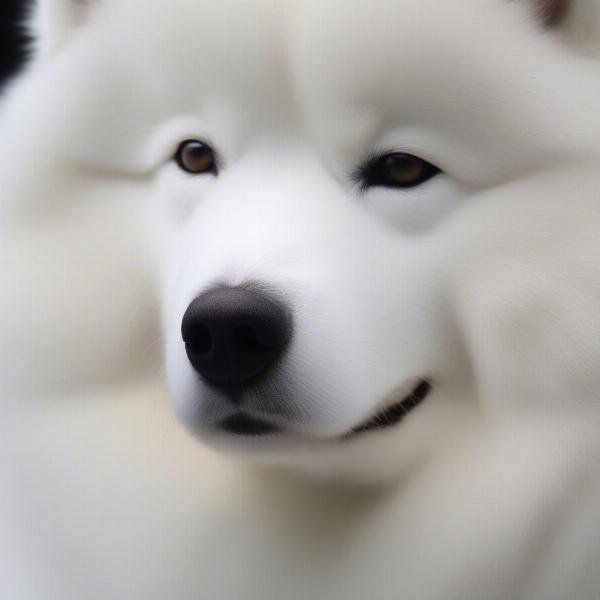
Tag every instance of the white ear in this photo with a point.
(52, 22)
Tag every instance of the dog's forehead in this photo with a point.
(231, 47)
(318, 66)
(267, 51)
(252, 48)
(419, 45)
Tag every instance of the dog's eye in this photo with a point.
(396, 170)
(195, 157)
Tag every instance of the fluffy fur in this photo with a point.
(484, 280)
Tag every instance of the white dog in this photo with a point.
(375, 229)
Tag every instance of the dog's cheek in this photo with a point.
(175, 196)
(529, 337)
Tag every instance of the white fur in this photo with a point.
(485, 280)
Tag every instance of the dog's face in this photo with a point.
(348, 195)
(305, 319)
(329, 218)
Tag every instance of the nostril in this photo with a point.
(245, 340)
(198, 339)
(233, 334)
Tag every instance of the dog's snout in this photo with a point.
(233, 334)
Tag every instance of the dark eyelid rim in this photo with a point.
(217, 159)
(359, 175)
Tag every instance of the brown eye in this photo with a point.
(195, 157)
(396, 170)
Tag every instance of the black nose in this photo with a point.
(233, 334)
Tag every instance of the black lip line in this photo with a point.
(242, 424)
(245, 425)
(395, 413)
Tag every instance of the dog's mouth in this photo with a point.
(242, 424)
(394, 413)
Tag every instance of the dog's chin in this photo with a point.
(357, 456)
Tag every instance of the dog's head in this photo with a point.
(368, 213)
